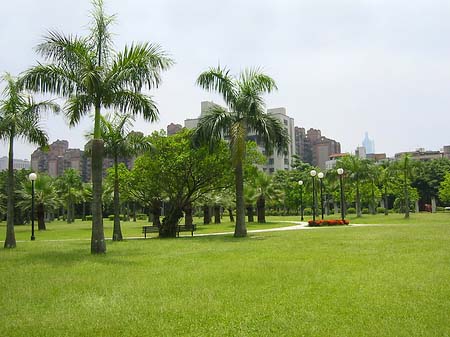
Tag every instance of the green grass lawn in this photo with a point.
(342, 281)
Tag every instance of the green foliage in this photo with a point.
(351, 210)
(307, 211)
(380, 210)
(444, 189)
(365, 211)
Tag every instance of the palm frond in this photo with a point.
(215, 123)
(77, 106)
(219, 79)
(134, 103)
(270, 130)
(52, 79)
(139, 66)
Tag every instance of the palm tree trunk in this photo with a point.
(134, 211)
(230, 212)
(206, 215)
(98, 244)
(373, 199)
(216, 214)
(117, 232)
(40, 217)
(250, 213)
(155, 210)
(261, 209)
(358, 201)
(386, 210)
(10, 240)
(240, 228)
(405, 189)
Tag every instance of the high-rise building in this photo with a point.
(18, 164)
(173, 129)
(313, 148)
(369, 144)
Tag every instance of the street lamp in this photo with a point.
(300, 182)
(32, 177)
(313, 174)
(320, 176)
(340, 172)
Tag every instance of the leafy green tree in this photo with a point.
(244, 99)
(120, 142)
(266, 191)
(69, 187)
(356, 170)
(387, 182)
(444, 189)
(91, 75)
(405, 168)
(184, 174)
(45, 197)
(20, 117)
(428, 178)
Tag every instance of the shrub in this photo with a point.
(88, 217)
(307, 211)
(365, 211)
(141, 216)
(351, 210)
(440, 209)
(319, 223)
(380, 210)
(122, 217)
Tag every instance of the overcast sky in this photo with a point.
(345, 67)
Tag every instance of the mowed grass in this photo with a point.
(344, 281)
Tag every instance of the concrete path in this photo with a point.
(298, 226)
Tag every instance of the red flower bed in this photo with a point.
(319, 223)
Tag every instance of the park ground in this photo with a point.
(390, 279)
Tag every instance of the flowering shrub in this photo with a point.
(319, 223)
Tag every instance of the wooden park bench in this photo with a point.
(149, 229)
(184, 228)
(180, 228)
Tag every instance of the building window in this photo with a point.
(285, 122)
(286, 161)
(270, 161)
(271, 170)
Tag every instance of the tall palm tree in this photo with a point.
(91, 75)
(246, 114)
(19, 118)
(356, 169)
(266, 190)
(120, 142)
(45, 197)
(69, 186)
(405, 168)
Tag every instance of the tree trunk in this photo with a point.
(216, 214)
(417, 206)
(386, 209)
(240, 228)
(98, 244)
(358, 201)
(155, 209)
(250, 213)
(261, 209)
(134, 211)
(406, 196)
(40, 216)
(10, 240)
(169, 224)
(373, 206)
(83, 215)
(188, 219)
(433, 204)
(117, 231)
(335, 206)
(230, 212)
(206, 215)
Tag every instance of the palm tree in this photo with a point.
(44, 196)
(69, 186)
(405, 168)
(19, 118)
(266, 190)
(356, 169)
(91, 75)
(245, 114)
(120, 142)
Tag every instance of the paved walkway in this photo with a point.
(298, 226)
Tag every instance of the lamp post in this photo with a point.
(340, 172)
(300, 183)
(320, 176)
(313, 174)
(32, 177)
